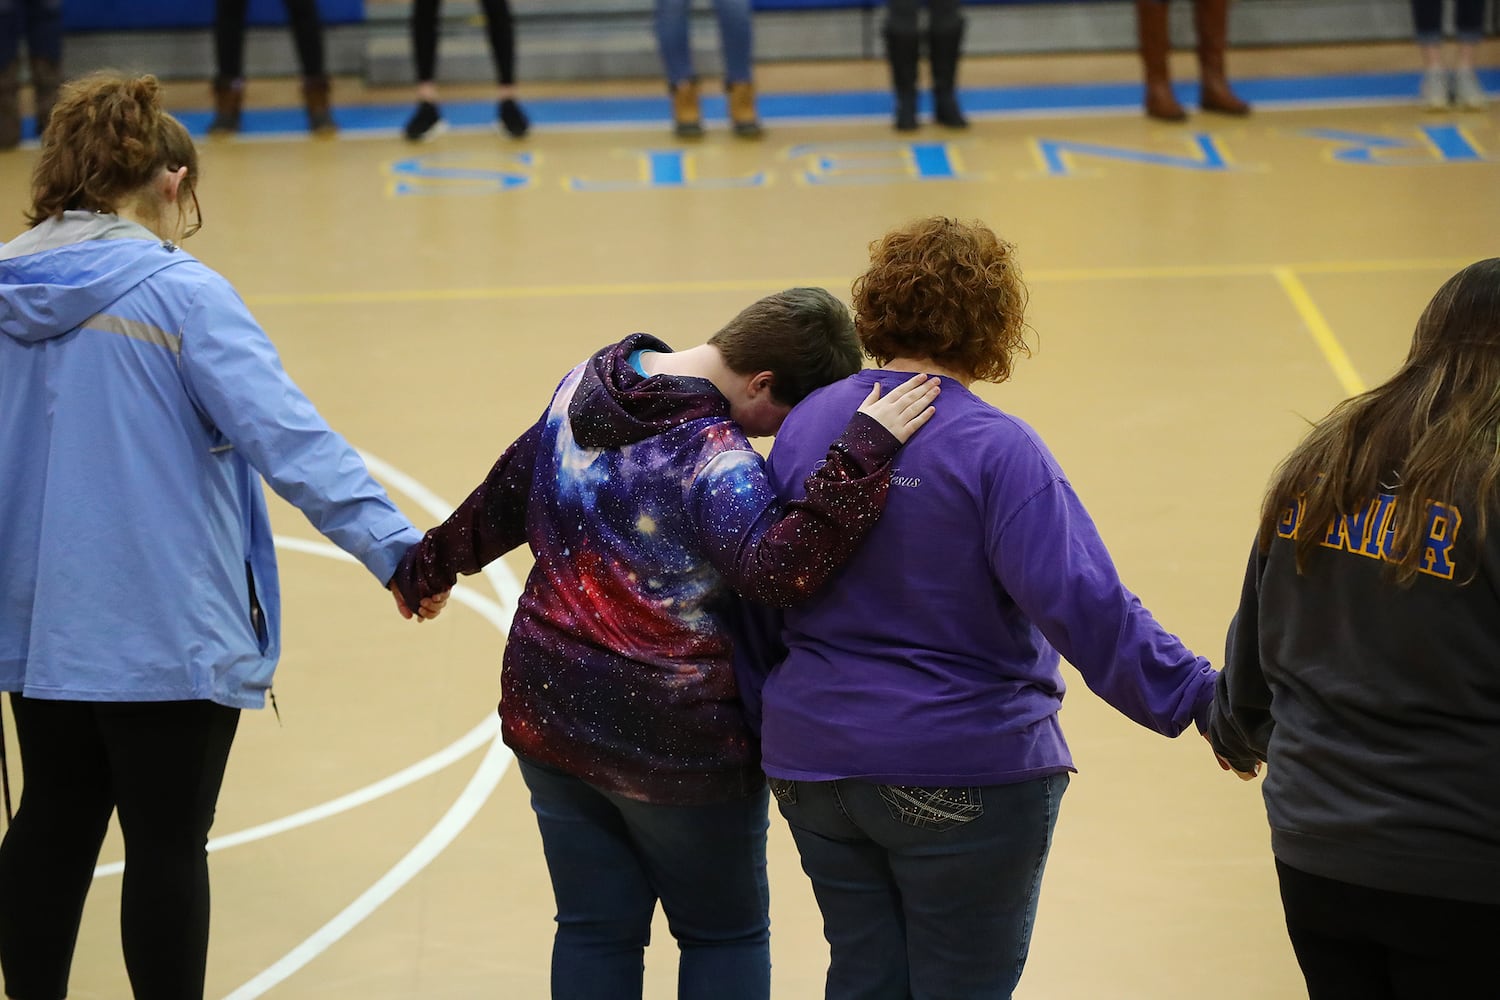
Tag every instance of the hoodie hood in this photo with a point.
(64, 271)
(615, 405)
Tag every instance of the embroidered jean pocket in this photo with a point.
(785, 791)
(935, 809)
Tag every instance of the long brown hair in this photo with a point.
(107, 139)
(1431, 431)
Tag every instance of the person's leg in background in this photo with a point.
(10, 73)
(167, 763)
(307, 34)
(707, 865)
(426, 120)
(856, 892)
(737, 42)
(44, 39)
(1211, 20)
(229, 59)
(945, 36)
(1427, 19)
(48, 855)
(1468, 22)
(1154, 39)
(604, 900)
(903, 50)
(674, 42)
(501, 28)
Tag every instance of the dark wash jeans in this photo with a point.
(611, 858)
(1358, 943)
(926, 893)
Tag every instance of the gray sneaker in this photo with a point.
(1467, 93)
(1435, 89)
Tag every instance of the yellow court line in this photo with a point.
(504, 292)
(1312, 318)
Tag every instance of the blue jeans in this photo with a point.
(672, 38)
(926, 893)
(37, 21)
(611, 859)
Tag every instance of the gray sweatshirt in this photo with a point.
(1376, 706)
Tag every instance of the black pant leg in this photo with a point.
(48, 855)
(424, 38)
(229, 38)
(167, 760)
(307, 33)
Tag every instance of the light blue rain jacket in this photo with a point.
(138, 401)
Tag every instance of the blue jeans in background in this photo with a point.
(926, 893)
(39, 22)
(672, 38)
(611, 858)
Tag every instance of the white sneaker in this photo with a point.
(1467, 92)
(1435, 89)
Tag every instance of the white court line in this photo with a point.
(473, 740)
(453, 822)
(429, 847)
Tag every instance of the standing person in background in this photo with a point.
(229, 53)
(427, 119)
(736, 42)
(1363, 666)
(1442, 87)
(911, 733)
(39, 23)
(140, 608)
(903, 49)
(1211, 22)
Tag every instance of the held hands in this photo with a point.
(906, 409)
(1249, 775)
(430, 607)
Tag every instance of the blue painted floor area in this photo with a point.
(603, 112)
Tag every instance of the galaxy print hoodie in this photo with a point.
(644, 504)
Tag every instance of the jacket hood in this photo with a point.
(616, 405)
(59, 274)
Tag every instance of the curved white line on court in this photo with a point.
(453, 822)
(477, 792)
(507, 587)
(471, 741)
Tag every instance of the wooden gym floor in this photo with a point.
(1198, 294)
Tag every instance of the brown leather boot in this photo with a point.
(742, 110)
(46, 78)
(1211, 19)
(687, 119)
(1152, 32)
(315, 93)
(229, 101)
(10, 106)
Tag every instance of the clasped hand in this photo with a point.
(430, 607)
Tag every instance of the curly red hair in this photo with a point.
(945, 291)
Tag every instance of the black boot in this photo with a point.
(944, 42)
(903, 50)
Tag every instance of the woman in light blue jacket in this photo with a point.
(139, 604)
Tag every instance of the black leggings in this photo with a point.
(901, 15)
(1357, 943)
(160, 764)
(1468, 17)
(498, 22)
(229, 36)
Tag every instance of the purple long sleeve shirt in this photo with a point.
(932, 657)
